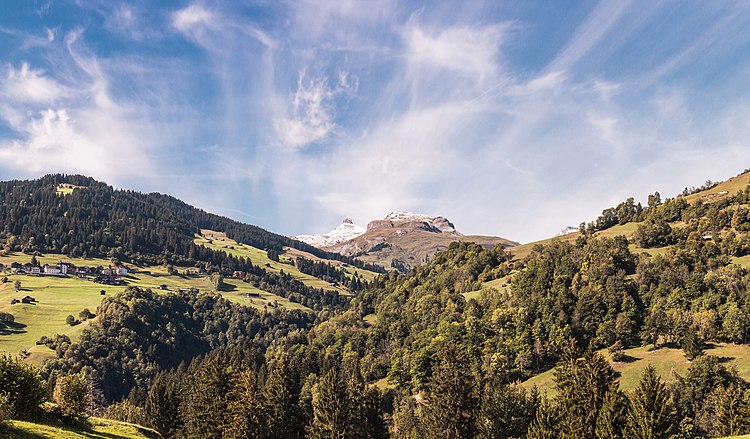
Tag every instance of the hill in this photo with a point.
(81, 217)
(88, 226)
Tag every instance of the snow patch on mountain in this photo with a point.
(344, 232)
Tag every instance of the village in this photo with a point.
(103, 275)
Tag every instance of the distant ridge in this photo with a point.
(401, 240)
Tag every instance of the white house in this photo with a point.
(52, 270)
(121, 270)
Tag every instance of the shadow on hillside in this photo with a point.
(14, 432)
(723, 360)
(227, 288)
(627, 359)
(12, 328)
(19, 433)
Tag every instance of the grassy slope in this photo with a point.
(58, 297)
(219, 241)
(664, 360)
(100, 429)
(726, 188)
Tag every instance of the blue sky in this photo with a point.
(512, 118)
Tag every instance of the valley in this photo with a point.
(656, 292)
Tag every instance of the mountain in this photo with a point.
(403, 240)
(344, 232)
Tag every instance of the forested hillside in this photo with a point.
(439, 352)
(91, 219)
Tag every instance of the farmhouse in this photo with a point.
(238, 275)
(52, 270)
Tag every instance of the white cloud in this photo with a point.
(188, 18)
(466, 50)
(27, 85)
(313, 109)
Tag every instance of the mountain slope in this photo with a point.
(403, 240)
(344, 232)
(79, 216)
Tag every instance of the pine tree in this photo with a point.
(651, 413)
(507, 410)
(546, 424)
(207, 403)
(582, 384)
(452, 406)
(405, 420)
(244, 409)
(331, 408)
(281, 401)
(729, 409)
(162, 407)
(613, 414)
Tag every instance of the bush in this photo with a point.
(86, 314)
(21, 385)
(6, 317)
(70, 320)
(6, 409)
(617, 351)
(72, 396)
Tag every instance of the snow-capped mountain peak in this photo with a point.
(345, 231)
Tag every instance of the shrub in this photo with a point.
(72, 396)
(21, 385)
(6, 409)
(70, 320)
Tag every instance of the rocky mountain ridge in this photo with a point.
(401, 240)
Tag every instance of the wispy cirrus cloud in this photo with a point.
(513, 120)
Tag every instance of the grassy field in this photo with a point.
(58, 297)
(99, 429)
(664, 360)
(729, 187)
(367, 275)
(66, 189)
(219, 241)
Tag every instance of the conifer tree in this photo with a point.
(405, 420)
(452, 406)
(651, 413)
(244, 409)
(546, 424)
(582, 384)
(331, 408)
(281, 401)
(162, 407)
(207, 403)
(613, 414)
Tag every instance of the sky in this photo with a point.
(510, 118)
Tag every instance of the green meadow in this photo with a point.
(99, 429)
(58, 297)
(665, 360)
(219, 241)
